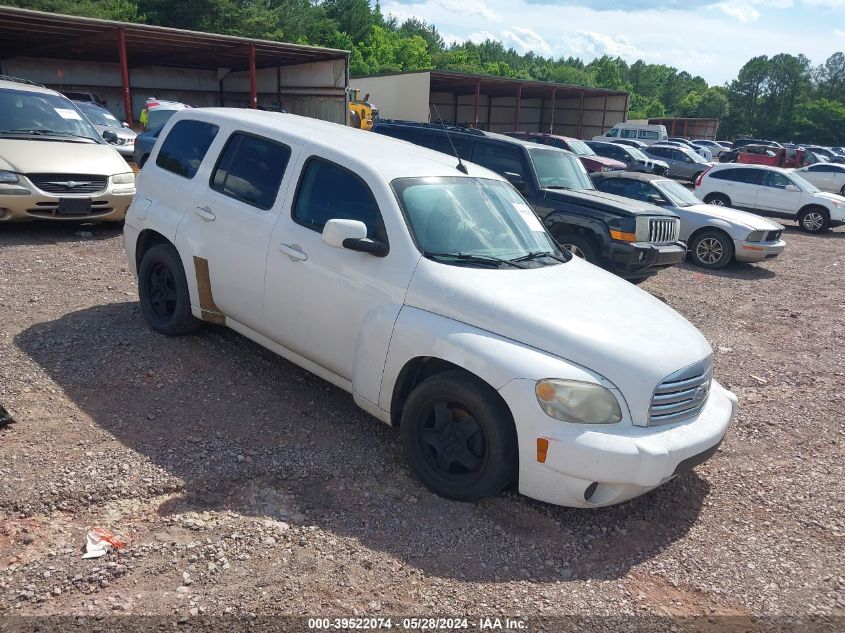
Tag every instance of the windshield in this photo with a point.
(804, 185)
(98, 115)
(159, 117)
(679, 195)
(580, 148)
(558, 169)
(42, 114)
(637, 154)
(472, 217)
(696, 158)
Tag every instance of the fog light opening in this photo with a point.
(591, 490)
(642, 256)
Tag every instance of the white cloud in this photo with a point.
(589, 44)
(839, 32)
(470, 8)
(742, 11)
(827, 4)
(525, 39)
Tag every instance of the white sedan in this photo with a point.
(826, 176)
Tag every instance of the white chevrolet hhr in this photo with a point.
(432, 293)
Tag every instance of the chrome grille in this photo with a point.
(662, 230)
(682, 394)
(68, 183)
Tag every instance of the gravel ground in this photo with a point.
(247, 487)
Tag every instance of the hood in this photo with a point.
(753, 222)
(575, 311)
(60, 157)
(835, 197)
(656, 161)
(604, 161)
(601, 201)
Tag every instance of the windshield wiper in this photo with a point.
(476, 259)
(556, 187)
(538, 254)
(44, 133)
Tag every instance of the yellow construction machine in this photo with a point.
(362, 113)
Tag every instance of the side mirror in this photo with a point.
(125, 124)
(109, 136)
(657, 199)
(515, 179)
(351, 235)
(791, 188)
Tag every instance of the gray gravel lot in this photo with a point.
(246, 486)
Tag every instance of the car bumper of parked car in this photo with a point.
(757, 251)
(28, 203)
(583, 465)
(634, 260)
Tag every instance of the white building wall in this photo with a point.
(398, 96)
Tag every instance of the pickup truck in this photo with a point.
(633, 239)
(433, 295)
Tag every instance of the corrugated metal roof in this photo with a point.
(27, 33)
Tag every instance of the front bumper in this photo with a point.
(635, 260)
(623, 460)
(108, 205)
(757, 251)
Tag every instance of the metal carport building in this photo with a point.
(497, 104)
(124, 63)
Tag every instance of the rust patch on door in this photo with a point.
(209, 310)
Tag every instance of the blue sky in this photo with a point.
(709, 38)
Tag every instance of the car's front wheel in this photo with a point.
(459, 437)
(579, 246)
(813, 220)
(163, 290)
(711, 249)
(718, 199)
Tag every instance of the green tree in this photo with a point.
(713, 104)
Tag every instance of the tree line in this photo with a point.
(782, 97)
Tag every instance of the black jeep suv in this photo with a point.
(630, 238)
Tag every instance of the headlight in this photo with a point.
(838, 204)
(755, 236)
(123, 179)
(575, 401)
(8, 176)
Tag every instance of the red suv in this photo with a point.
(592, 162)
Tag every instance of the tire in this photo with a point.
(718, 199)
(459, 437)
(711, 249)
(143, 161)
(579, 246)
(814, 219)
(163, 290)
(842, 191)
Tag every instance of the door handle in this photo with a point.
(205, 213)
(293, 251)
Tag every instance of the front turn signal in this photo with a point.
(622, 236)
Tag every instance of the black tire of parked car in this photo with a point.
(711, 249)
(163, 290)
(459, 437)
(814, 219)
(143, 161)
(579, 245)
(842, 191)
(718, 199)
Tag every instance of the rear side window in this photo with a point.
(658, 151)
(185, 147)
(500, 157)
(250, 169)
(628, 134)
(330, 192)
(746, 176)
(406, 134)
(649, 134)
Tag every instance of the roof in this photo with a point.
(27, 86)
(38, 34)
(392, 158)
(457, 82)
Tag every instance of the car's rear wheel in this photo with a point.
(718, 200)
(711, 249)
(163, 290)
(813, 220)
(459, 437)
(842, 191)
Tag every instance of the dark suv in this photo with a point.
(630, 238)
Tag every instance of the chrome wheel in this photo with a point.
(709, 250)
(813, 221)
(717, 202)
